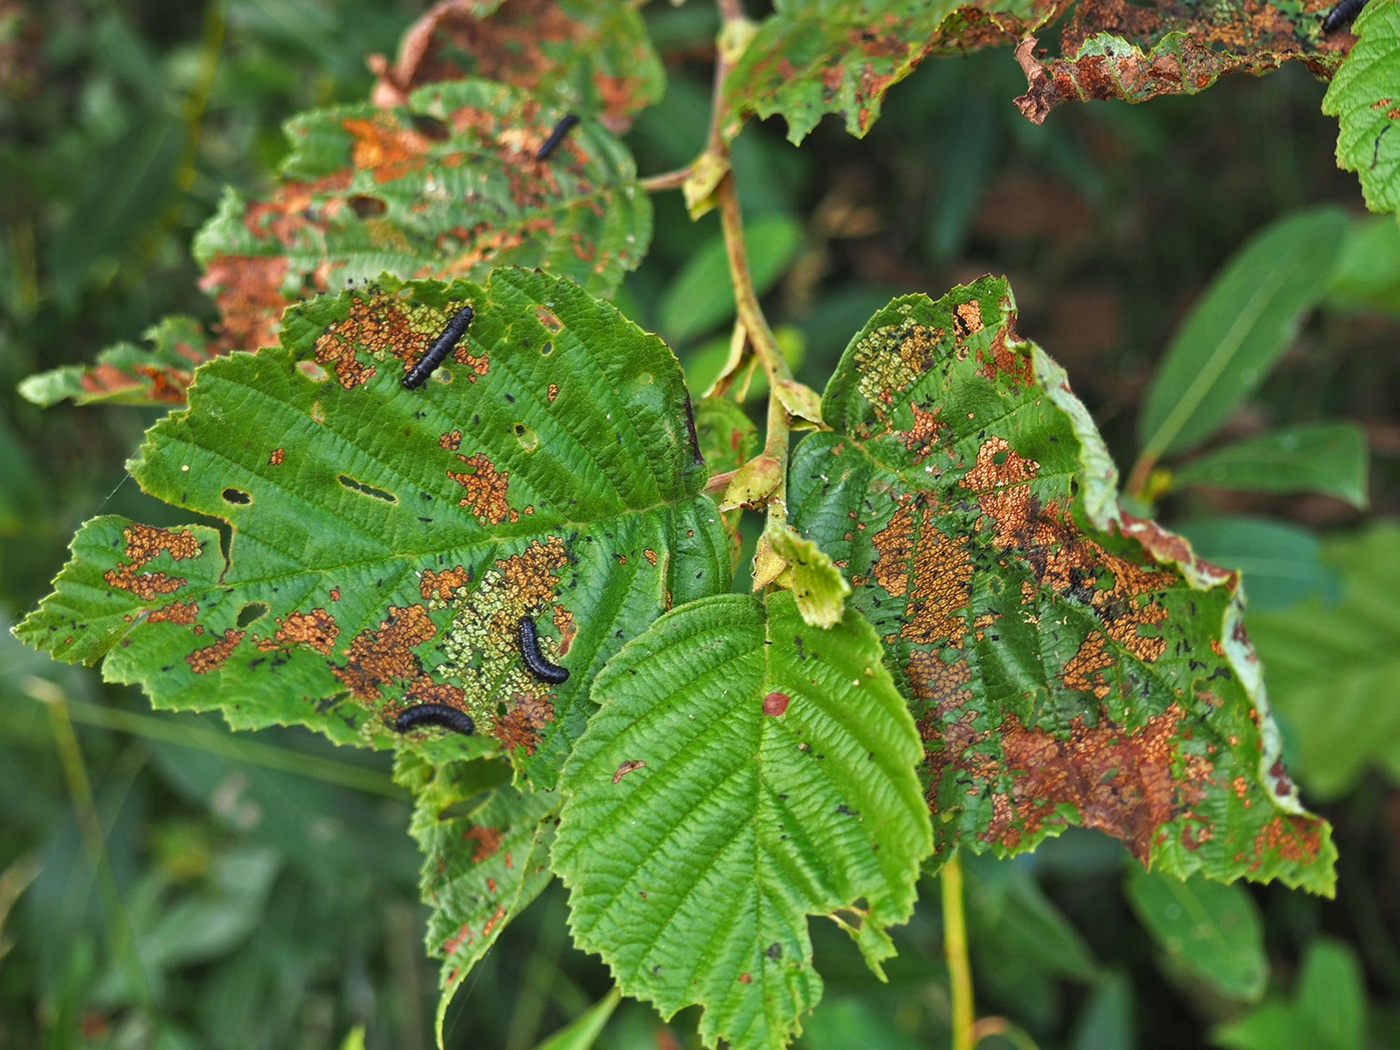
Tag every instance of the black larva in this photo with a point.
(534, 659)
(435, 715)
(451, 336)
(555, 137)
(1343, 15)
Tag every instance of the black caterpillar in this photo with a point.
(435, 715)
(1343, 15)
(534, 659)
(555, 137)
(451, 336)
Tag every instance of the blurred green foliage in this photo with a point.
(158, 887)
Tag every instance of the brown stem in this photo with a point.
(669, 180)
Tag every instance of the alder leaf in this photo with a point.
(589, 57)
(485, 852)
(745, 771)
(130, 374)
(381, 545)
(813, 57)
(446, 186)
(1113, 51)
(1067, 664)
(1363, 97)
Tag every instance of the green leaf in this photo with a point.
(702, 296)
(813, 57)
(1238, 330)
(1316, 457)
(1280, 563)
(1016, 927)
(1210, 929)
(1067, 664)
(583, 1031)
(1327, 1012)
(1271, 1026)
(1332, 995)
(447, 184)
(1106, 1021)
(382, 544)
(485, 849)
(1361, 96)
(1334, 669)
(1368, 273)
(745, 771)
(728, 437)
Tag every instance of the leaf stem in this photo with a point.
(667, 180)
(950, 881)
(761, 339)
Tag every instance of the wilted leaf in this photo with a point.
(1364, 98)
(1066, 663)
(383, 544)
(745, 771)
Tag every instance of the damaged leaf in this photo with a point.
(591, 58)
(814, 57)
(1115, 49)
(446, 186)
(130, 374)
(1067, 664)
(382, 545)
(485, 852)
(745, 771)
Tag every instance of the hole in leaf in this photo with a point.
(367, 490)
(367, 207)
(237, 496)
(251, 613)
(528, 439)
(430, 127)
(546, 348)
(549, 319)
(1000, 457)
(312, 371)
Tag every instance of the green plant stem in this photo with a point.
(190, 734)
(955, 952)
(122, 936)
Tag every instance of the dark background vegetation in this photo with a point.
(165, 883)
